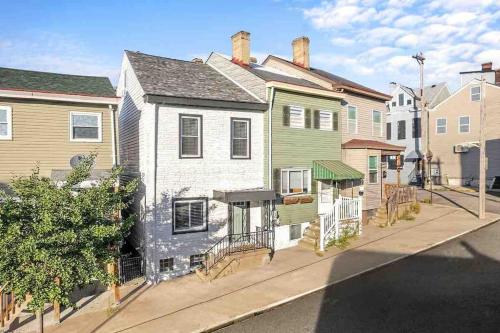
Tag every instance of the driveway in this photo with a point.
(465, 200)
(451, 288)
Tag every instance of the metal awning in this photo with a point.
(254, 194)
(334, 170)
(414, 155)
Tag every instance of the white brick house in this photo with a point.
(195, 140)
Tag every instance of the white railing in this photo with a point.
(343, 209)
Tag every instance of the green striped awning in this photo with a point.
(334, 170)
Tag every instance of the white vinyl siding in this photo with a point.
(441, 125)
(352, 119)
(325, 120)
(295, 181)
(85, 127)
(464, 124)
(297, 117)
(5, 123)
(376, 123)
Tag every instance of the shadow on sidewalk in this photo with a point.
(455, 203)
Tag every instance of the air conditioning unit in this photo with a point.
(460, 148)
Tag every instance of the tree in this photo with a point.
(63, 231)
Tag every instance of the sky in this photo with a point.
(367, 41)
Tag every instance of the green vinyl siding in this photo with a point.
(299, 147)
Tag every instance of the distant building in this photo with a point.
(403, 128)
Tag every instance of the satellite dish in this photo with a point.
(75, 160)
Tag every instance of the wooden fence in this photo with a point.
(396, 196)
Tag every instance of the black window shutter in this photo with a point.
(308, 118)
(388, 131)
(277, 180)
(316, 119)
(335, 121)
(286, 116)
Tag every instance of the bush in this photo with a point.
(415, 208)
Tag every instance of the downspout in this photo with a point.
(269, 138)
(155, 174)
(113, 135)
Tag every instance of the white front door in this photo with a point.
(325, 196)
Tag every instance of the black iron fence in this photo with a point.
(235, 243)
(130, 268)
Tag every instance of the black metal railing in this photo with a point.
(130, 268)
(235, 243)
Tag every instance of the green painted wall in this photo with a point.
(299, 147)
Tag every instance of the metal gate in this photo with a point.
(130, 268)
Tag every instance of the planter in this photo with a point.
(302, 199)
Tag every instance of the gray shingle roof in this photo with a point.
(179, 78)
(272, 76)
(19, 79)
(430, 92)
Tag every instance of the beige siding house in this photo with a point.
(454, 135)
(47, 118)
(363, 115)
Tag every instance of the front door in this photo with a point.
(239, 213)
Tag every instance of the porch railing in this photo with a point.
(235, 243)
(397, 196)
(343, 209)
(8, 306)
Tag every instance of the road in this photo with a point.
(467, 201)
(451, 288)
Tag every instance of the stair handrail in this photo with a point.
(234, 243)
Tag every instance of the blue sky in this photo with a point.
(368, 41)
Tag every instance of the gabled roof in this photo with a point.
(337, 81)
(430, 92)
(268, 76)
(34, 81)
(371, 144)
(471, 82)
(160, 76)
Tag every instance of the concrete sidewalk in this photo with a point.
(187, 304)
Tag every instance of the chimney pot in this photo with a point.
(487, 66)
(241, 48)
(300, 47)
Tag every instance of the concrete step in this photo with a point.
(311, 233)
(306, 244)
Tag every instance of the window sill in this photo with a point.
(189, 231)
(86, 140)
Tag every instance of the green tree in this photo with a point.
(62, 231)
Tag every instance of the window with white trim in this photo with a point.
(464, 124)
(240, 138)
(352, 119)
(373, 169)
(5, 123)
(401, 99)
(297, 118)
(325, 120)
(377, 123)
(475, 94)
(191, 136)
(295, 181)
(85, 127)
(441, 125)
(189, 215)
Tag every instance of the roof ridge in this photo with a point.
(161, 57)
(53, 73)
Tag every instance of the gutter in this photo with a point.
(155, 209)
(113, 136)
(270, 137)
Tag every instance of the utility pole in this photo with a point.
(424, 124)
(482, 152)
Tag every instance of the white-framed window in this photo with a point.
(373, 169)
(376, 123)
(325, 120)
(189, 215)
(475, 94)
(85, 126)
(464, 124)
(297, 117)
(295, 181)
(240, 138)
(401, 99)
(5, 123)
(352, 119)
(441, 126)
(190, 136)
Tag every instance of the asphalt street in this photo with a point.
(451, 288)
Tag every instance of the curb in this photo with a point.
(284, 301)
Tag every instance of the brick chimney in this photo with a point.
(241, 48)
(300, 47)
(487, 66)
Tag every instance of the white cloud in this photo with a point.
(342, 41)
(409, 40)
(343, 13)
(492, 37)
(487, 56)
(408, 21)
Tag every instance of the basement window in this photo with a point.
(196, 260)
(166, 265)
(295, 231)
